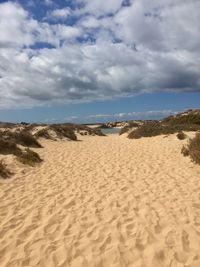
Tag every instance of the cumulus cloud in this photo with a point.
(100, 8)
(109, 49)
(56, 14)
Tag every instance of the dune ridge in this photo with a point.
(107, 201)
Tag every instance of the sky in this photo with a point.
(96, 60)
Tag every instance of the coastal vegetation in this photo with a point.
(187, 121)
(4, 172)
(193, 149)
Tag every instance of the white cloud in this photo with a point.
(48, 2)
(100, 8)
(57, 14)
(141, 48)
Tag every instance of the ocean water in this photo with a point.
(111, 130)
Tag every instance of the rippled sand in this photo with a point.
(105, 201)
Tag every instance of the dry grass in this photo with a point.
(29, 157)
(4, 172)
(193, 149)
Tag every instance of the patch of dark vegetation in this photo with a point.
(68, 130)
(155, 128)
(24, 123)
(29, 157)
(131, 124)
(8, 147)
(43, 133)
(32, 126)
(190, 118)
(4, 171)
(185, 151)
(88, 130)
(193, 149)
(64, 130)
(181, 135)
(23, 138)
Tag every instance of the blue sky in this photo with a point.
(89, 61)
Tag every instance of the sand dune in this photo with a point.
(105, 201)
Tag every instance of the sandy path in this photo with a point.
(106, 201)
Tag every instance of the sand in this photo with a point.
(104, 201)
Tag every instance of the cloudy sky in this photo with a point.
(89, 60)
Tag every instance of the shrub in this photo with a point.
(131, 124)
(184, 119)
(8, 147)
(147, 130)
(29, 157)
(194, 148)
(24, 138)
(185, 151)
(64, 131)
(155, 128)
(125, 129)
(4, 172)
(43, 133)
(181, 135)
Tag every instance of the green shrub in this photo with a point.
(155, 128)
(127, 128)
(8, 147)
(29, 157)
(147, 130)
(64, 131)
(185, 151)
(43, 133)
(184, 119)
(4, 172)
(194, 148)
(23, 138)
(181, 135)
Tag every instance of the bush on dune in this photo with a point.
(181, 135)
(63, 130)
(29, 157)
(23, 138)
(4, 172)
(8, 147)
(184, 119)
(90, 131)
(26, 157)
(147, 130)
(193, 149)
(150, 129)
(127, 128)
(43, 133)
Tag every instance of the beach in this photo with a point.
(103, 201)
